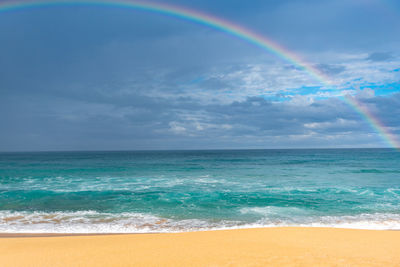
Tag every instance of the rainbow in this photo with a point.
(224, 26)
(373, 121)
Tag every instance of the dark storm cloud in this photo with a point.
(147, 123)
(340, 25)
(386, 109)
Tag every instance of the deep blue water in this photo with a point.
(193, 190)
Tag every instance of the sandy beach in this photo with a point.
(245, 247)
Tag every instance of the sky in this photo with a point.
(87, 77)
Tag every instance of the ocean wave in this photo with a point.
(382, 171)
(276, 211)
(96, 222)
(92, 222)
(104, 183)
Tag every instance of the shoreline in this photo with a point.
(27, 234)
(23, 235)
(286, 246)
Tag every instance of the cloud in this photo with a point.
(109, 123)
(380, 56)
(330, 69)
(118, 79)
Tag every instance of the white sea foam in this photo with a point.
(92, 222)
(95, 222)
(272, 211)
(104, 183)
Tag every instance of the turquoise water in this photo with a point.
(168, 191)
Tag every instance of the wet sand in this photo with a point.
(245, 247)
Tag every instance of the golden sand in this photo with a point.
(247, 247)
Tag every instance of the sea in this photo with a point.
(176, 191)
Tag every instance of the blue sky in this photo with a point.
(97, 78)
